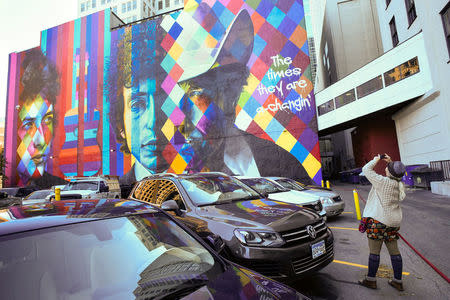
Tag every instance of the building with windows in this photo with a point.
(129, 10)
(382, 80)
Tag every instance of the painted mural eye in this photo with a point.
(195, 92)
(27, 124)
(138, 105)
(48, 119)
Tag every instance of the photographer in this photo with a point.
(383, 216)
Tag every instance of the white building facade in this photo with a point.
(383, 78)
(129, 10)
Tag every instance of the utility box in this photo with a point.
(423, 176)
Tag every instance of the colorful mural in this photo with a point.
(219, 86)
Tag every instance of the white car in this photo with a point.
(95, 187)
(331, 201)
(275, 191)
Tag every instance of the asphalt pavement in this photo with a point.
(425, 226)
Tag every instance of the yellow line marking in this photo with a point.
(359, 266)
(346, 228)
(347, 212)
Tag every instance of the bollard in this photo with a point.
(356, 198)
(322, 184)
(328, 184)
(57, 194)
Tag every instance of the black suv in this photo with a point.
(277, 239)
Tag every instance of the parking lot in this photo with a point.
(425, 226)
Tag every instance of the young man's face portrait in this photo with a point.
(35, 133)
(139, 121)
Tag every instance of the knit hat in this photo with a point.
(396, 168)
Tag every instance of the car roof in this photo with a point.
(38, 216)
(172, 175)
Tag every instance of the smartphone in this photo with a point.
(382, 156)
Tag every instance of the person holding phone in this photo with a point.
(383, 215)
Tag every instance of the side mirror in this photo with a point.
(171, 205)
(215, 242)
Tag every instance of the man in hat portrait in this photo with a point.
(175, 110)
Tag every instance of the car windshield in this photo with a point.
(290, 184)
(81, 185)
(263, 185)
(207, 190)
(139, 256)
(39, 194)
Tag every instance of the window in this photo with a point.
(114, 9)
(124, 7)
(326, 107)
(177, 2)
(160, 5)
(128, 5)
(402, 71)
(88, 4)
(345, 98)
(134, 4)
(445, 13)
(94, 3)
(167, 3)
(83, 7)
(410, 11)
(369, 87)
(394, 34)
(103, 2)
(387, 3)
(109, 1)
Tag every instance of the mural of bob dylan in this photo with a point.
(39, 88)
(205, 134)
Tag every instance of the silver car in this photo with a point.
(331, 201)
(275, 191)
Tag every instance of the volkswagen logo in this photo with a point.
(311, 231)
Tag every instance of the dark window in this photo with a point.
(369, 87)
(394, 34)
(402, 71)
(326, 107)
(160, 5)
(167, 3)
(445, 13)
(345, 98)
(410, 11)
(387, 3)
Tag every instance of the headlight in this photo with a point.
(258, 238)
(326, 201)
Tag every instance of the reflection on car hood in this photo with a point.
(81, 192)
(241, 283)
(295, 197)
(260, 213)
(320, 193)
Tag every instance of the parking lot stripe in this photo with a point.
(347, 212)
(346, 228)
(359, 266)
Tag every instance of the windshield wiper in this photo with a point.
(183, 291)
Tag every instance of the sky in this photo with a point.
(21, 22)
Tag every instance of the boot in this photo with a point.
(371, 284)
(397, 285)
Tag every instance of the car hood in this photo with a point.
(295, 197)
(320, 193)
(260, 213)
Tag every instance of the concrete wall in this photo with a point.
(423, 128)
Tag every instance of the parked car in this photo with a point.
(275, 191)
(94, 187)
(39, 196)
(14, 195)
(331, 201)
(274, 238)
(117, 249)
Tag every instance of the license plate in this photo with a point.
(318, 249)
